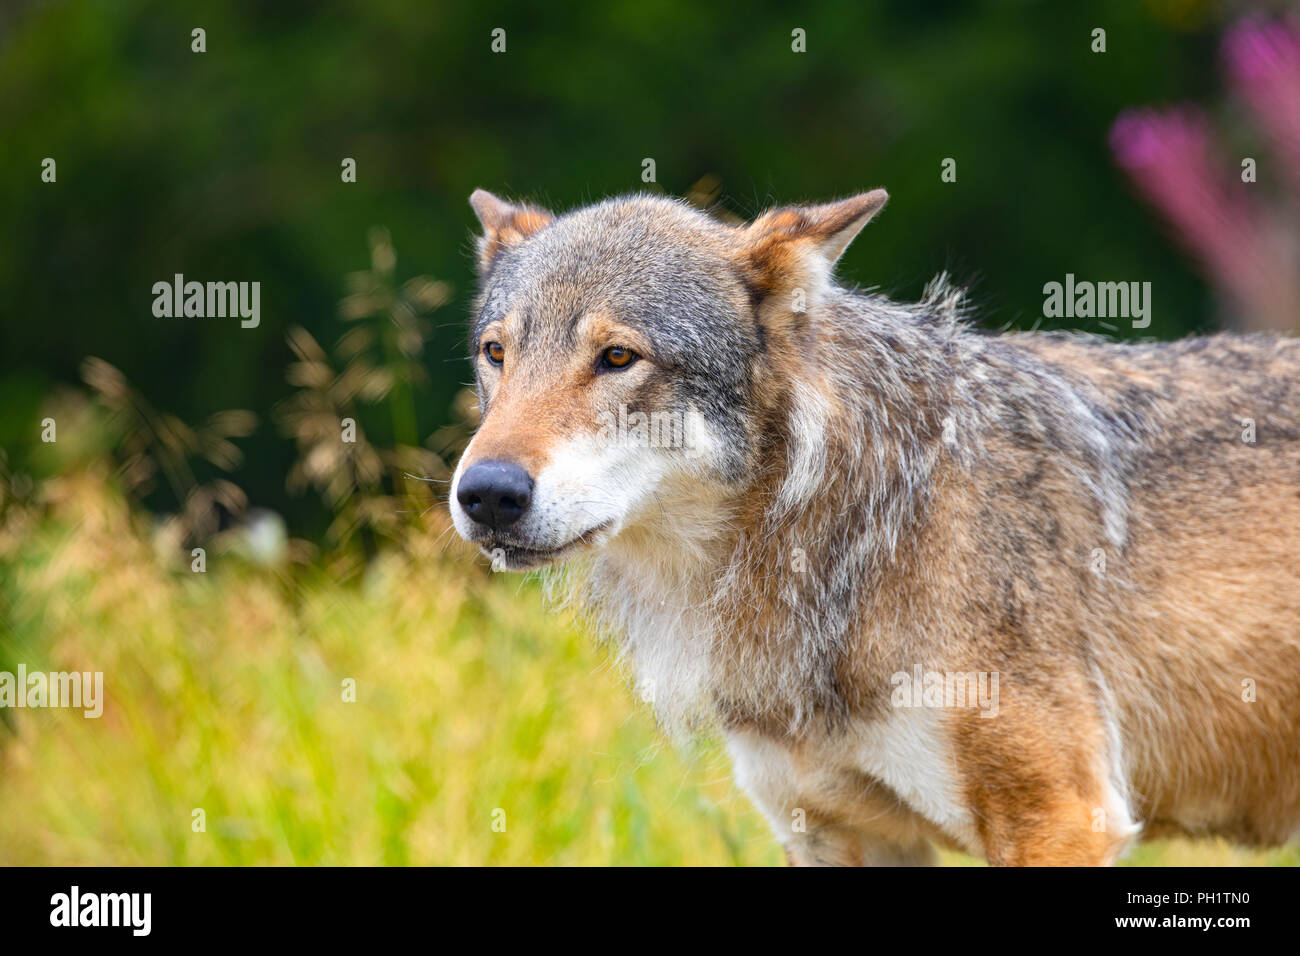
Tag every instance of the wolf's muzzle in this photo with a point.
(495, 493)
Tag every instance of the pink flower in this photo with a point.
(1169, 156)
(1145, 137)
(1258, 51)
(1263, 63)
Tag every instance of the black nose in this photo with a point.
(495, 493)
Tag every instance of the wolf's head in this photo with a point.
(629, 359)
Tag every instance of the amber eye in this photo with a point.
(495, 352)
(617, 357)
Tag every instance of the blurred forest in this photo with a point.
(225, 166)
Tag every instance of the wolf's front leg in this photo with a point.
(1040, 781)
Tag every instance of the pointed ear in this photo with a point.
(794, 245)
(504, 225)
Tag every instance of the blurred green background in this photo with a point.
(225, 165)
(226, 688)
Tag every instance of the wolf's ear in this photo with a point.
(794, 245)
(504, 224)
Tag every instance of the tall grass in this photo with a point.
(225, 693)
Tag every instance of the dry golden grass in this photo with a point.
(225, 693)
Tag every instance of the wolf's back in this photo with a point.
(1192, 616)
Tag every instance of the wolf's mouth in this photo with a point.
(517, 557)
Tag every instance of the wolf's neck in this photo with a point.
(746, 604)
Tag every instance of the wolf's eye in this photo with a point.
(617, 357)
(495, 352)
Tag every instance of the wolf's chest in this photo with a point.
(889, 782)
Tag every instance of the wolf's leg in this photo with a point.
(1044, 790)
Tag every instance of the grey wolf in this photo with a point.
(874, 489)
